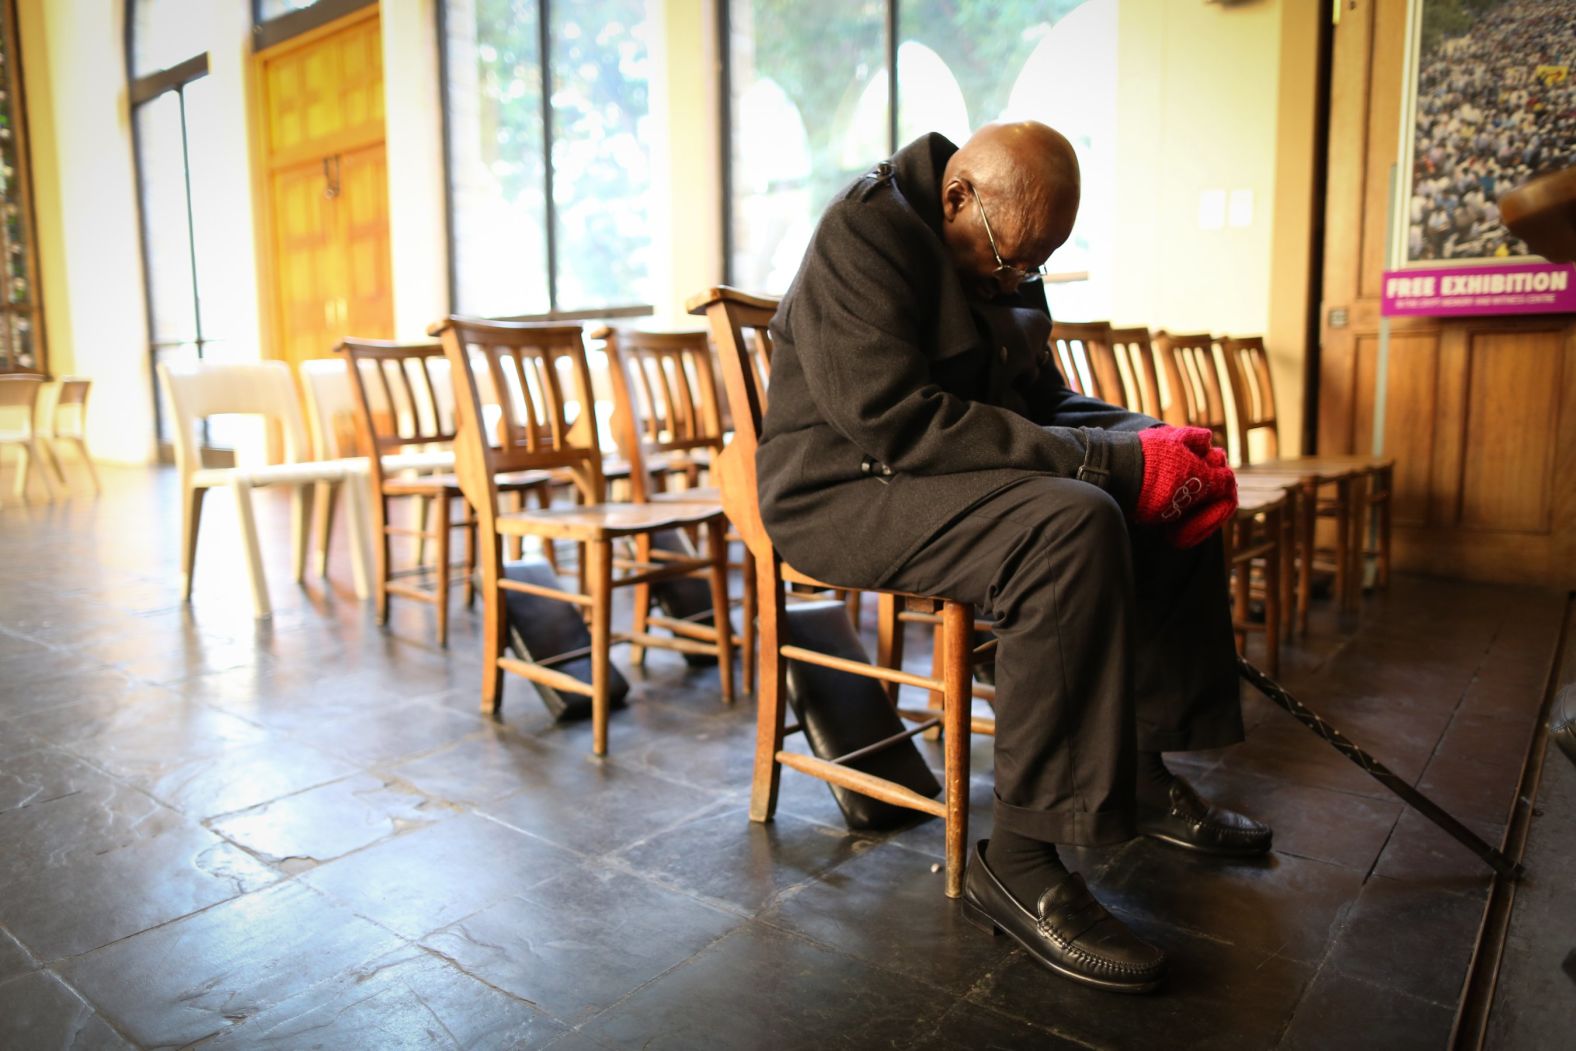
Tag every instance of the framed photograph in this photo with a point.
(1489, 102)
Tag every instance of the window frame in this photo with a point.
(555, 310)
(22, 194)
(266, 32)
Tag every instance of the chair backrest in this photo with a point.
(199, 389)
(1193, 381)
(546, 409)
(1252, 393)
(330, 408)
(1073, 344)
(401, 394)
(19, 396)
(70, 415)
(738, 324)
(1134, 359)
(664, 395)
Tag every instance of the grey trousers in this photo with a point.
(1110, 641)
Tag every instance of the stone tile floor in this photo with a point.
(300, 833)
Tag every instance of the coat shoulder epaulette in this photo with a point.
(875, 179)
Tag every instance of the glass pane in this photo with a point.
(173, 314)
(498, 236)
(601, 160)
(165, 33)
(809, 113)
(969, 62)
(224, 292)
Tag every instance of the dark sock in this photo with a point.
(1026, 867)
(1154, 780)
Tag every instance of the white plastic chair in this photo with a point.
(198, 390)
(19, 428)
(65, 421)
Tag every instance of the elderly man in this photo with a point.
(920, 438)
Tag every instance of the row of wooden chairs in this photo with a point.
(1226, 385)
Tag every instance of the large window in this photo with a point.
(546, 113)
(21, 317)
(820, 90)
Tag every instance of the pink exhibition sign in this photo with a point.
(1471, 291)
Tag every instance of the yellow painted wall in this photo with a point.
(87, 222)
(1214, 101)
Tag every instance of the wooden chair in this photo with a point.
(667, 424)
(1084, 356)
(1123, 364)
(198, 390)
(1252, 388)
(547, 421)
(1197, 398)
(68, 423)
(19, 403)
(404, 413)
(738, 325)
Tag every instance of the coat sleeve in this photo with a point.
(857, 311)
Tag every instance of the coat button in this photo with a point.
(1004, 355)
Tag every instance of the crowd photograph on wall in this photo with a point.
(1495, 107)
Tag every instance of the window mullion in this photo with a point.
(545, 69)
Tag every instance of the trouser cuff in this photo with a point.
(1082, 829)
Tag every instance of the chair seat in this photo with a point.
(603, 521)
(1323, 471)
(1257, 501)
(303, 473)
(435, 483)
(705, 494)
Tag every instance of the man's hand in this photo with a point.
(1188, 489)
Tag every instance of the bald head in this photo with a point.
(1026, 176)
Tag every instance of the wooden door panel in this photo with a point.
(363, 217)
(322, 100)
(1411, 420)
(1512, 418)
(308, 265)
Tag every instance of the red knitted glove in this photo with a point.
(1188, 490)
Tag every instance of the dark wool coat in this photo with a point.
(896, 401)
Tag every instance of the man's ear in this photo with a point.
(954, 195)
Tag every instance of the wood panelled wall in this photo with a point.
(1480, 414)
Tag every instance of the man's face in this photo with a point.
(1022, 241)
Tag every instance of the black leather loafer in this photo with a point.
(1067, 931)
(1195, 823)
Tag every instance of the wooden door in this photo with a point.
(322, 126)
(1480, 413)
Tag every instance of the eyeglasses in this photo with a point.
(1023, 277)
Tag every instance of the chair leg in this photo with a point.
(717, 547)
(1385, 507)
(771, 691)
(53, 456)
(958, 639)
(1241, 581)
(544, 500)
(301, 500)
(889, 640)
(254, 555)
(493, 617)
(852, 603)
(323, 522)
(191, 517)
(1306, 543)
(23, 462)
(87, 461)
(356, 497)
(442, 507)
(599, 575)
(640, 615)
(423, 527)
(382, 552)
(468, 523)
(936, 700)
(1272, 593)
(747, 662)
